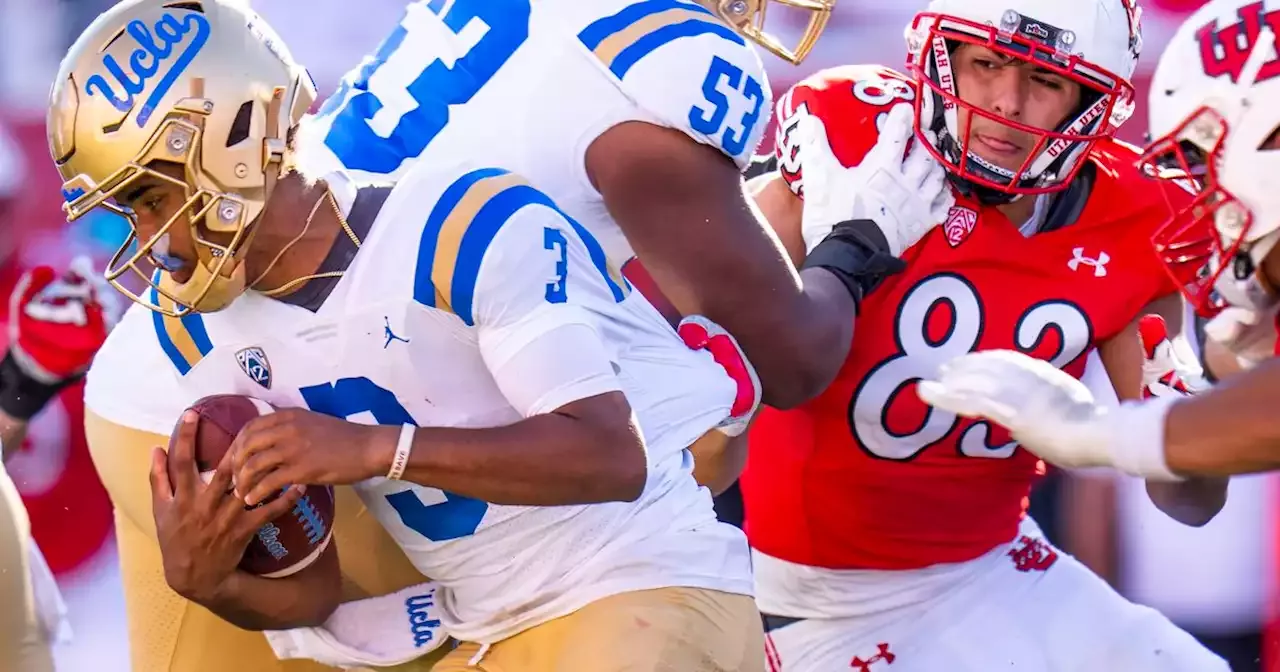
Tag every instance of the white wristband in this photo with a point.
(403, 447)
(1137, 446)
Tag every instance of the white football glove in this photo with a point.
(1163, 373)
(1248, 334)
(904, 197)
(1052, 414)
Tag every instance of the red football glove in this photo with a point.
(699, 333)
(56, 325)
(1160, 376)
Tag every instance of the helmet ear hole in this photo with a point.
(241, 125)
(1272, 142)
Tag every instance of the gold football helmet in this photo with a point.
(204, 84)
(747, 17)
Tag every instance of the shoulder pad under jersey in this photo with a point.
(481, 216)
(1133, 188)
(132, 381)
(850, 101)
(676, 60)
(1130, 198)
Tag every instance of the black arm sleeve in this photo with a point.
(761, 164)
(858, 254)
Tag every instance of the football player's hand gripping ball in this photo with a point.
(294, 445)
(203, 528)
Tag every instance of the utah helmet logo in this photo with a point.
(253, 361)
(1224, 51)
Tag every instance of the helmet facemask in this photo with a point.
(1209, 245)
(1106, 102)
(1214, 246)
(748, 18)
(218, 272)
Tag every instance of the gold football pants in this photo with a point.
(23, 647)
(660, 630)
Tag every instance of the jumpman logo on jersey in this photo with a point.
(391, 336)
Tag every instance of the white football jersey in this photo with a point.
(462, 270)
(529, 85)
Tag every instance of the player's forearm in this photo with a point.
(718, 460)
(1230, 429)
(553, 459)
(12, 433)
(832, 311)
(686, 213)
(1193, 502)
(303, 600)
(796, 340)
(796, 335)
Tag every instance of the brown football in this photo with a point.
(292, 541)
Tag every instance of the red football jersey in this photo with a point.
(867, 475)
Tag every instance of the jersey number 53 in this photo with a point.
(729, 91)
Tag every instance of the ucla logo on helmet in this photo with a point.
(253, 361)
(158, 46)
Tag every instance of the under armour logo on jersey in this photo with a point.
(883, 655)
(1032, 555)
(253, 361)
(1099, 263)
(959, 224)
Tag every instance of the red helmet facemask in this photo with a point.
(1188, 243)
(1107, 101)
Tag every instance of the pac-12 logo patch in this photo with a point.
(253, 361)
(959, 224)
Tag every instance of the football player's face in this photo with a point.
(1010, 89)
(153, 202)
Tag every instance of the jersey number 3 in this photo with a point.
(422, 71)
(453, 517)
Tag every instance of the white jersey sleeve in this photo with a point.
(685, 69)
(135, 379)
(532, 282)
